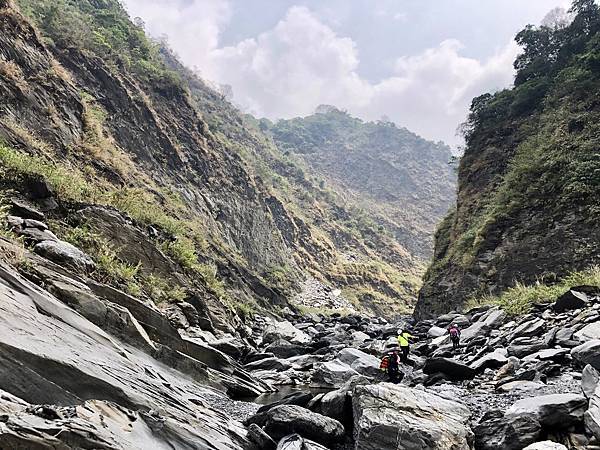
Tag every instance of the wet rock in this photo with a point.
(64, 253)
(280, 421)
(555, 410)
(390, 416)
(495, 431)
(451, 368)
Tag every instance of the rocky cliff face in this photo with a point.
(528, 182)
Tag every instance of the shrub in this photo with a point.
(520, 298)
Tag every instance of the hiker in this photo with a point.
(454, 333)
(403, 337)
(390, 364)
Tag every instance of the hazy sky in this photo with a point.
(419, 62)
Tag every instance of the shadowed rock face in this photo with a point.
(50, 354)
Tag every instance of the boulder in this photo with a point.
(284, 349)
(297, 442)
(451, 368)
(588, 333)
(332, 374)
(589, 380)
(493, 360)
(490, 320)
(520, 386)
(551, 411)
(588, 353)
(261, 439)
(508, 369)
(338, 404)
(388, 416)
(26, 211)
(273, 363)
(285, 331)
(64, 253)
(280, 421)
(524, 348)
(359, 361)
(550, 354)
(436, 332)
(545, 445)
(530, 328)
(570, 300)
(295, 398)
(495, 431)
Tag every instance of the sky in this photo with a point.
(418, 63)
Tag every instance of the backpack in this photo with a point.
(454, 332)
(393, 362)
(385, 361)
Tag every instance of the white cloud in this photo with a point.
(192, 26)
(301, 62)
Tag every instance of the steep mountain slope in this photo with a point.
(117, 142)
(529, 182)
(402, 180)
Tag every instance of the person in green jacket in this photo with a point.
(403, 341)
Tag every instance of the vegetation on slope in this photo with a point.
(312, 230)
(529, 182)
(403, 181)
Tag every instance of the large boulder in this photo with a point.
(272, 363)
(551, 411)
(451, 368)
(571, 299)
(338, 404)
(588, 353)
(283, 420)
(497, 432)
(332, 374)
(64, 253)
(285, 331)
(362, 362)
(388, 416)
